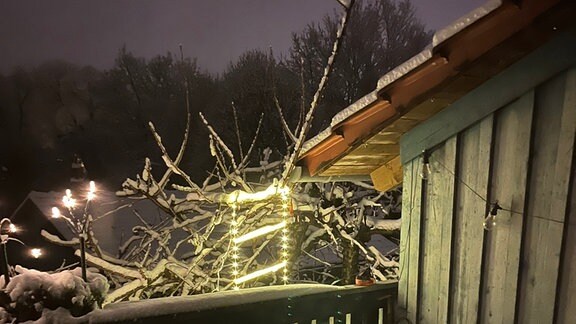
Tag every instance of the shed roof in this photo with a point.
(363, 139)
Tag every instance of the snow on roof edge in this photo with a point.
(403, 69)
(459, 24)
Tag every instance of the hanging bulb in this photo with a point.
(426, 165)
(12, 228)
(92, 186)
(490, 219)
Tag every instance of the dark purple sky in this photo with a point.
(216, 32)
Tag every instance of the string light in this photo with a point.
(490, 220)
(260, 273)
(56, 212)
(36, 253)
(12, 228)
(234, 232)
(284, 246)
(259, 232)
(239, 196)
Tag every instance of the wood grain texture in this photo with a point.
(542, 64)
(548, 189)
(567, 290)
(387, 176)
(474, 157)
(439, 207)
(508, 187)
(409, 240)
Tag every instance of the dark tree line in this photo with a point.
(53, 111)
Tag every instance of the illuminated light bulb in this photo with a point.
(259, 273)
(235, 272)
(234, 223)
(259, 232)
(68, 193)
(285, 278)
(285, 206)
(284, 246)
(91, 195)
(234, 248)
(12, 228)
(235, 264)
(234, 231)
(285, 254)
(92, 186)
(36, 253)
(234, 256)
(285, 230)
(284, 238)
(69, 202)
(56, 212)
(236, 288)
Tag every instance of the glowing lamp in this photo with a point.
(36, 253)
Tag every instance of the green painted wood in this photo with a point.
(542, 64)
(508, 187)
(474, 165)
(439, 207)
(409, 240)
(553, 144)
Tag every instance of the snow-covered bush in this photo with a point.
(30, 292)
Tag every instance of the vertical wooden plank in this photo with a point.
(508, 187)
(474, 160)
(553, 145)
(439, 207)
(567, 293)
(410, 232)
(566, 308)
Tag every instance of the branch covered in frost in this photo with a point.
(315, 100)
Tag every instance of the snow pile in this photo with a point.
(30, 293)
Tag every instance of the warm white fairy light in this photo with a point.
(12, 228)
(92, 187)
(238, 196)
(259, 232)
(234, 232)
(260, 272)
(90, 196)
(56, 212)
(68, 201)
(284, 247)
(36, 253)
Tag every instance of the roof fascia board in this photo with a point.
(557, 55)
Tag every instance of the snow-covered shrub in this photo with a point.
(30, 292)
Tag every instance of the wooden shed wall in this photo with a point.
(524, 269)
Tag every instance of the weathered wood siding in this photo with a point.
(524, 269)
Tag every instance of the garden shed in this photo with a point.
(479, 129)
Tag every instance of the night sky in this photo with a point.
(215, 32)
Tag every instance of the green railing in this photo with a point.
(314, 304)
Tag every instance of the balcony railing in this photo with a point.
(299, 303)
